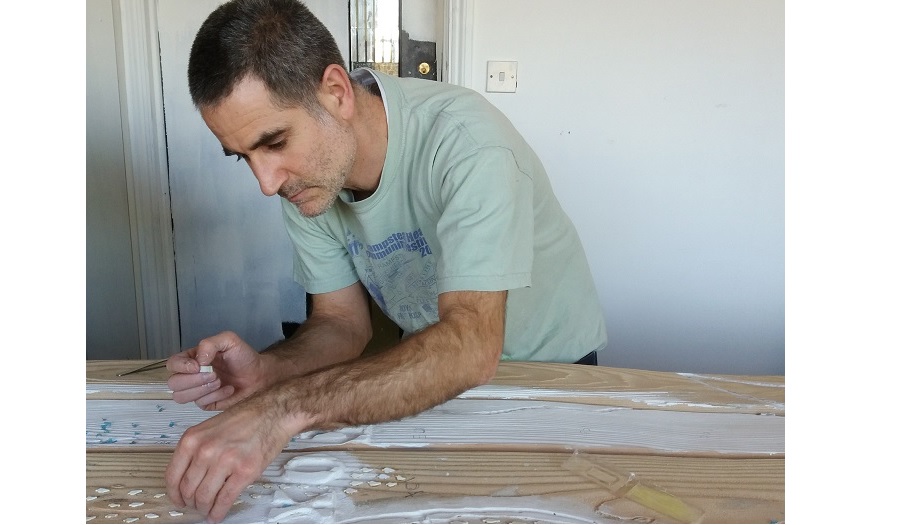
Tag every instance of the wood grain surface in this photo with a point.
(502, 453)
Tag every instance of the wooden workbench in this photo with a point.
(541, 443)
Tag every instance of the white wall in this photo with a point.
(661, 124)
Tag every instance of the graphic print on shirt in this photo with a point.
(400, 274)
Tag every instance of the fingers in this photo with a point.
(183, 363)
(218, 399)
(189, 361)
(192, 387)
(174, 474)
(216, 460)
(206, 490)
(226, 498)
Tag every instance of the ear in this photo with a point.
(336, 92)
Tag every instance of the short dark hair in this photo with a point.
(279, 42)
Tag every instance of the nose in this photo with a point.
(270, 179)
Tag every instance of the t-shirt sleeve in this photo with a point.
(321, 261)
(486, 229)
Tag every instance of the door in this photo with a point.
(397, 37)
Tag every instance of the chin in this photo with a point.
(313, 208)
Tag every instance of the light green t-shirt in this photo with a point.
(463, 204)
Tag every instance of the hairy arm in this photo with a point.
(216, 459)
(337, 330)
(459, 352)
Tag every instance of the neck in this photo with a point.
(370, 128)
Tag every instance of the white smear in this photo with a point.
(732, 380)
(126, 388)
(474, 509)
(316, 510)
(313, 469)
(474, 421)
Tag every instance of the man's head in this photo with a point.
(280, 42)
(270, 83)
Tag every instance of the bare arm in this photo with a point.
(216, 459)
(337, 330)
(459, 352)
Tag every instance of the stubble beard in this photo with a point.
(332, 183)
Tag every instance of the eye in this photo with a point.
(233, 154)
(278, 145)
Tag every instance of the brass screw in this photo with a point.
(424, 68)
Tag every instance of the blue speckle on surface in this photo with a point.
(134, 425)
(159, 408)
(108, 441)
(171, 424)
(105, 426)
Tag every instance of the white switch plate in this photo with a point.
(502, 76)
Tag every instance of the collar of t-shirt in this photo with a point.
(368, 80)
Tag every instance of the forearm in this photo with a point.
(458, 353)
(319, 342)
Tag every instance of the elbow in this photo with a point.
(487, 369)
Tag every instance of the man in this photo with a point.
(416, 193)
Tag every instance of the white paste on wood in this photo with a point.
(113, 424)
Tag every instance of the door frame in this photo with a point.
(147, 177)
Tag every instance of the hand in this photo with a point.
(216, 459)
(237, 372)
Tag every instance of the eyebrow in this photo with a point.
(263, 139)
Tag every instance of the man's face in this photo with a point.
(302, 157)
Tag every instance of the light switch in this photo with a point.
(502, 76)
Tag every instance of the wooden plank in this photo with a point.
(498, 453)
(639, 388)
(440, 486)
(536, 381)
(498, 424)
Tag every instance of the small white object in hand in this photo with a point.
(205, 368)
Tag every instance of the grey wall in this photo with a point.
(111, 302)
(661, 124)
